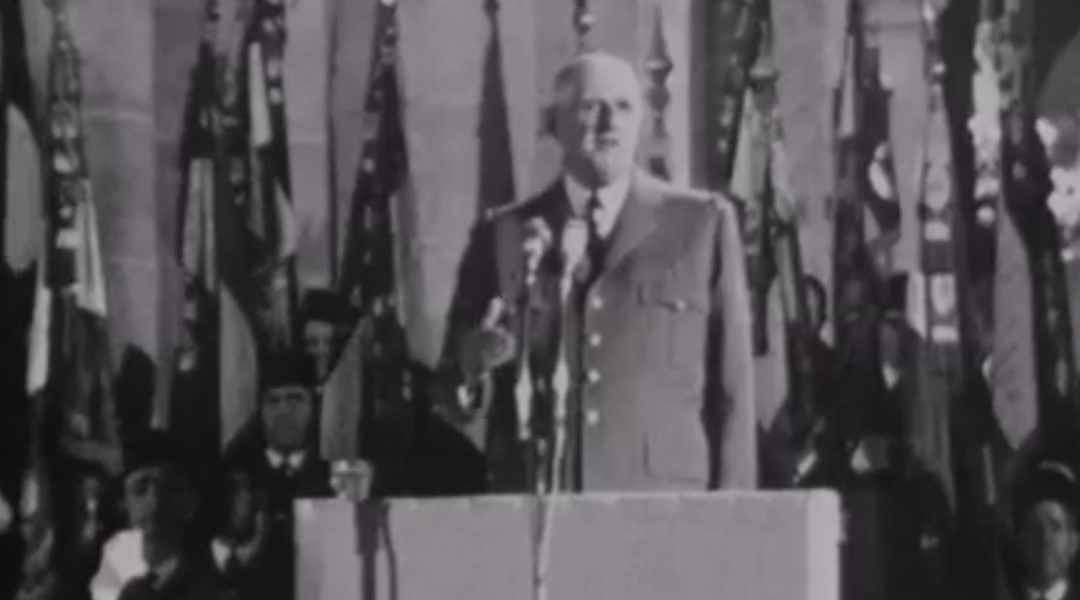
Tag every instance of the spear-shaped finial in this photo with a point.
(584, 19)
(658, 65)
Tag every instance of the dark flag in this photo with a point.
(858, 282)
(195, 410)
(733, 41)
(256, 235)
(69, 375)
(1026, 187)
(369, 280)
(21, 240)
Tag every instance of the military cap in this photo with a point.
(154, 448)
(288, 369)
(1050, 480)
(321, 304)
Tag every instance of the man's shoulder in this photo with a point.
(700, 200)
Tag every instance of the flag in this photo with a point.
(1026, 187)
(69, 375)
(731, 51)
(256, 236)
(857, 280)
(194, 411)
(369, 280)
(932, 299)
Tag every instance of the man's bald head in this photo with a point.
(597, 117)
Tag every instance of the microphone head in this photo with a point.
(574, 240)
(538, 239)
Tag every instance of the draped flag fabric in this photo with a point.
(369, 281)
(69, 375)
(734, 24)
(932, 306)
(1026, 187)
(195, 411)
(256, 236)
(856, 276)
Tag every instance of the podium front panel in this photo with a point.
(767, 546)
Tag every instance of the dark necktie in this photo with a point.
(594, 248)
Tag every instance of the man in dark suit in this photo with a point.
(279, 464)
(1048, 538)
(655, 327)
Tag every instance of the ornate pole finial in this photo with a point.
(584, 19)
(658, 65)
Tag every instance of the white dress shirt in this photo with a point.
(612, 198)
(122, 560)
(1057, 591)
(293, 460)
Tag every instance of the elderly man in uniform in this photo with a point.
(656, 326)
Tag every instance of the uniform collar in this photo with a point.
(293, 460)
(612, 198)
(1056, 591)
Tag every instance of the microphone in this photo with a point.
(574, 241)
(538, 239)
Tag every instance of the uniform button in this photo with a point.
(592, 417)
(596, 303)
(680, 305)
(594, 340)
(593, 376)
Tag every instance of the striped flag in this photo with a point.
(932, 305)
(69, 372)
(369, 281)
(256, 236)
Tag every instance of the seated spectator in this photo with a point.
(1046, 521)
(160, 498)
(239, 533)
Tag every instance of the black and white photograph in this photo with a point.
(539, 299)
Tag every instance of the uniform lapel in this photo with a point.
(637, 221)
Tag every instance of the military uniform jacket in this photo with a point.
(663, 365)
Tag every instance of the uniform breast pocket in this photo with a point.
(678, 323)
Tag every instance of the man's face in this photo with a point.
(1048, 541)
(319, 344)
(158, 498)
(286, 417)
(598, 119)
(239, 505)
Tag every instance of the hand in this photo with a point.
(487, 347)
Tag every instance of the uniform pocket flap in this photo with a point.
(670, 295)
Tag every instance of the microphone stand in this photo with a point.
(560, 388)
(523, 387)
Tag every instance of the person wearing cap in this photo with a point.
(1047, 535)
(161, 500)
(282, 464)
(325, 318)
(661, 383)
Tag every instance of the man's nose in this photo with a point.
(603, 118)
